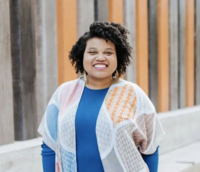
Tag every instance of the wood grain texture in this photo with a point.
(182, 55)
(189, 53)
(130, 24)
(115, 8)
(6, 95)
(197, 54)
(153, 51)
(173, 54)
(142, 44)
(163, 56)
(66, 38)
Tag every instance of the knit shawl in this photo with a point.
(127, 126)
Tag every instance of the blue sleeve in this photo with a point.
(48, 158)
(152, 161)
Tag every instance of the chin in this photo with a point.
(101, 76)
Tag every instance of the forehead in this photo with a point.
(99, 43)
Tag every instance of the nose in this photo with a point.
(100, 57)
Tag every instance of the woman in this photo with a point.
(100, 123)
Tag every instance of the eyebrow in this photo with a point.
(95, 48)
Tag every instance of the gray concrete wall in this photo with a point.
(23, 156)
(181, 127)
(6, 91)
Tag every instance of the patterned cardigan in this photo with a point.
(127, 125)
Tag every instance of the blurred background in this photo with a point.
(36, 37)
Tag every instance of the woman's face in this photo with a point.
(100, 59)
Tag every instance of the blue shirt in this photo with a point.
(87, 153)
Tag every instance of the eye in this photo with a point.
(108, 53)
(92, 52)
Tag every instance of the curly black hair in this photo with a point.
(114, 32)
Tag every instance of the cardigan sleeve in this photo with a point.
(48, 158)
(149, 132)
(152, 161)
(48, 127)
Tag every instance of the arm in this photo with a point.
(48, 158)
(152, 160)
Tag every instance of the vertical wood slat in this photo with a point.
(130, 22)
(66, 37)
(182, 55)
(115, 8)
(142, 44)
(85, 16)
(173, 54)
(153, 51)
(24, 68)
(103, 10)
(163, 56)
(189, 53)
(6, 96)
(197, 53)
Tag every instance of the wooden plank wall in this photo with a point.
(142, 44)
(130, 22)
(66, 37)
(173, 55)
(182, 55)
(153, 51)
(197, 53)
(189, 53)
(6, 95)
(163, 56)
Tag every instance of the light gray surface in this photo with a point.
(185, 159)
(85, 16)
(197, 53)
(22, 156)
(6, 95)
(182, 46)
(181, 127)
(130, 24)
(173, 51)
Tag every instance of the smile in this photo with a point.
(100, 66)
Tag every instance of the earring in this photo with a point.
(85, 76)
(116, 76)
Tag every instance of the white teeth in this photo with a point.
(100, 65)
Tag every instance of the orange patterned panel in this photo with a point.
(121, 103)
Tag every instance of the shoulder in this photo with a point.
(65, 88)
(143, 101)
(136, 88)
(69, 84)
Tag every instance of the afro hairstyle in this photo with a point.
(113, 32)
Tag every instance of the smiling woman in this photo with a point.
(101, 123)
(100, 62)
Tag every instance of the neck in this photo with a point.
(96, 83)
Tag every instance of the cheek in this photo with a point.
(114, 62)
(86, 62)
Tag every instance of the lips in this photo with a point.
(100, 66)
